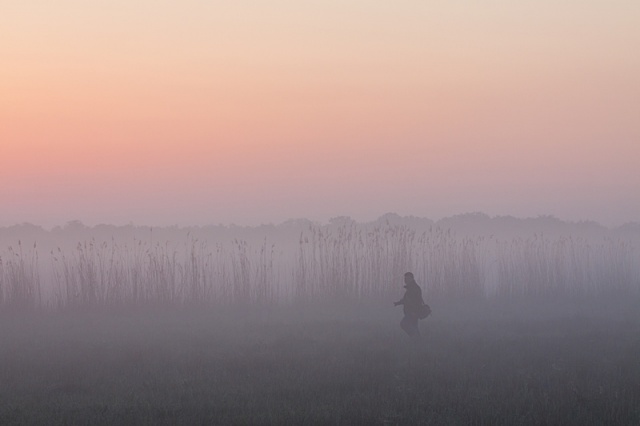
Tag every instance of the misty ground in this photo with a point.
(528, 362)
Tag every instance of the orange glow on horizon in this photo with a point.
(371, 107)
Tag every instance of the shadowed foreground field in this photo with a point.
(533, 363)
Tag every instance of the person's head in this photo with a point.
(408, 278)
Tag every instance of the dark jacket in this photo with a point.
(412, 300)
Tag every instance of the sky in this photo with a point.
(197, 112)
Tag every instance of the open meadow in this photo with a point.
(477, 363)
(535, 322)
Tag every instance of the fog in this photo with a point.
(534, 321)
(470, 255)
(183, 135)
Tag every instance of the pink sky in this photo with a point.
(192, 112)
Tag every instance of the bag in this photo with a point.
(424, 311)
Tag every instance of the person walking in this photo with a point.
(413, 306)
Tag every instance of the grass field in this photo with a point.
(529, 363)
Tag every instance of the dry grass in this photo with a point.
(479, 363)
(348, 261)
(20, 286)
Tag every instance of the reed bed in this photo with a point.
(20, 285)
(162, 274)
(574, 267)
(346, 261)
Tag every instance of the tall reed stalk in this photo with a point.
(336, 261)
(20, 285)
